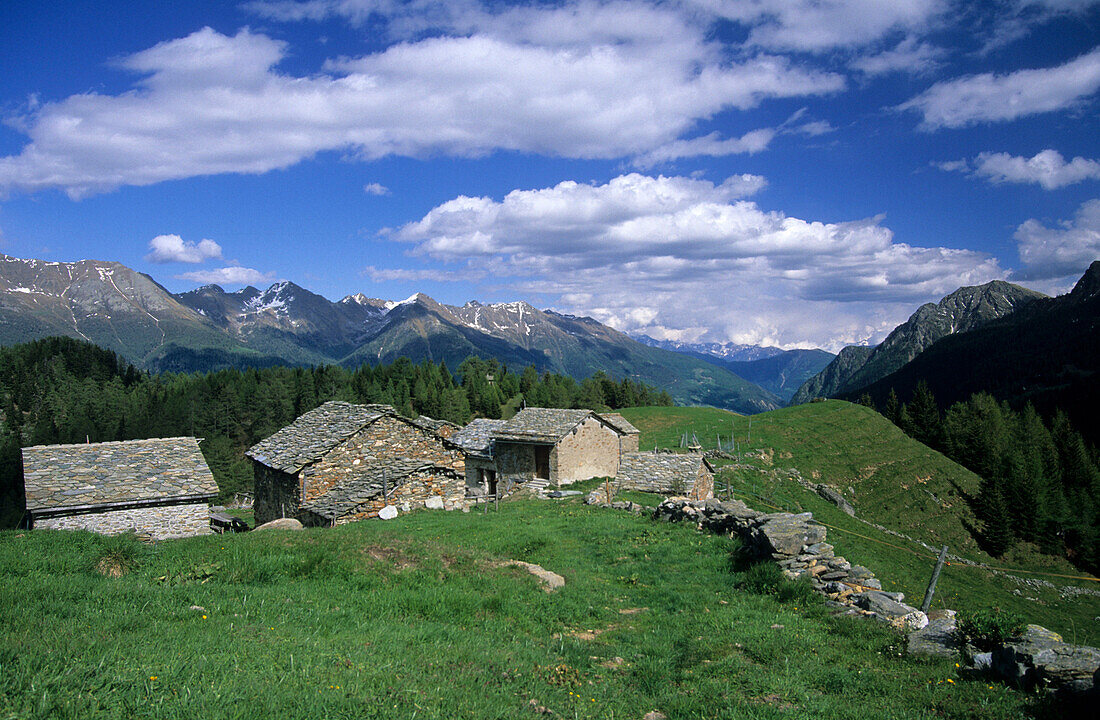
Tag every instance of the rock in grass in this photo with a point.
(551, 581)
(388, 513)
(936, 639)
(435, 502)
(281, 524)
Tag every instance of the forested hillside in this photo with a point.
(60, 390)
(1040, 478)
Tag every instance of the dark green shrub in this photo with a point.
(986, 629)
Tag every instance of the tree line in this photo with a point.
(1040, 480)
(61, 390)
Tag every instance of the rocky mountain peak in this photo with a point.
(1089, 284)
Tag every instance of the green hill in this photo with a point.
(894, 482)
(417, 618)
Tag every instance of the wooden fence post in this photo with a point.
(932, 585)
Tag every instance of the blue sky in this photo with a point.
(789, 172)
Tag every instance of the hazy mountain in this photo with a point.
(962, 311)
(208, 328)
(1046, 353)
(785, 373)
(726, 351)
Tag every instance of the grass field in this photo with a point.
(892, 481)
(415, 618)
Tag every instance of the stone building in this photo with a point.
(558, 446)
(690, 475)
(160, 488)
(629, 435)
(343, 448)
(476, 441)
(396, 483)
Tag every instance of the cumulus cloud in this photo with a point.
(173, 248)
(590, 81)
(994, 98)
(1047, 168)
(658, 253)
(376, 189)
(232, 275)
(1061, 251)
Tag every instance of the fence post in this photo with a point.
(932, 585)
(386, 487)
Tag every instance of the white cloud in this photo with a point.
(822, 25)
(173, 248)
(1047, 168)
(991, 98)
(408, 274)
(376, 189)
(591, 81)
(232, 275)
(911, 55)
(711, 145)
(687, 249)
(1059, 252)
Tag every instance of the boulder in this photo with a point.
(281, 524)
(435, 502)
(891, 611)
(937, 638)
(388, 513)
(563, 493)
(835, 498)
(1039, 657)
(785, 534)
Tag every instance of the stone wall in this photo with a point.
(703, 488)
(629, 443)
(277, 494)
(414, 491)
(515, 462)
(159, 523)
(475, 468)
(385, 439)
(590, 450)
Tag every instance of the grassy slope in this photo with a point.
(890, 479)
(413, 618)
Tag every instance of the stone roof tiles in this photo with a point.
(476, 437)
(367, 484)
(111, 473)
(313, 434)
(620, 423)
(659, 469)
(540, 424)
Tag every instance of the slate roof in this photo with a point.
(620, 423)
(132, 472)
(475, 438)
(541, 424)
(435, 425)
(366, 485)
(648, 467)
(308, 438)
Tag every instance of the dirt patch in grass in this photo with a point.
(394, 556)
(112, 567)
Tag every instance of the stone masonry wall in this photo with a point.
(277, 494)
(515, 462)
(416, 489)
(385, 439)
(704, 484)
(474, 466)
(591, 450)
(629, 443)
(160, 523)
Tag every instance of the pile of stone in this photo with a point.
(796, 542)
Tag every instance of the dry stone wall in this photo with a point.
(158, 523)
(276, 494)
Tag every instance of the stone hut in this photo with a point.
(340, 444)
(476, 441)
(628, 434)
(160, 488)
(689, 475)
(397, 483)
(554, 445)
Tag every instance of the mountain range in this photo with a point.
(126, 311)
